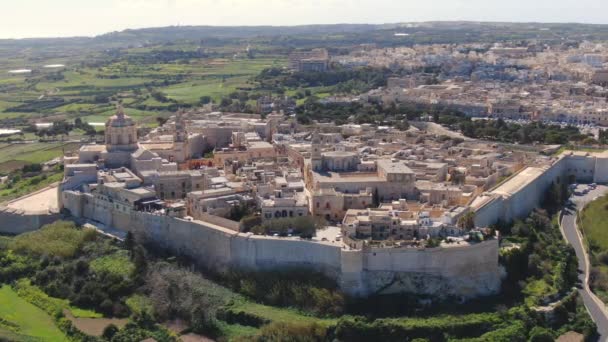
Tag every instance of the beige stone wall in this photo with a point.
(14, 221)
(464, 271)
(450, 271)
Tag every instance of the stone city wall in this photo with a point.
(517, 205)
(567, 168)
(14, 221)
(18, 221)
(462, 271)
(466, 271)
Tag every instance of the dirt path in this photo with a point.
(94, 326)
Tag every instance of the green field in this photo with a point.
(35, 152)
(118, 264)
(22, 321)
(594, 223)
(80, 91)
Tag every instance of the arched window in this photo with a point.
(327, 205)
(284, 213)
(277, 214)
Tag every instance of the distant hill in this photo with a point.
(337, 35)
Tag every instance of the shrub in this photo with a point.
(302, 225)
(109, 332)
(291, 332)
(603, 258)
(62, 239)
(540, 334)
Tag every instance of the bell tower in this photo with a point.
(315, 155)
(180, 138)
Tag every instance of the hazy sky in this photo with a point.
(44, 18)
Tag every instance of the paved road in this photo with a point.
(596, 308)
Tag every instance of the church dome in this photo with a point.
(121, 132)
(120, 119)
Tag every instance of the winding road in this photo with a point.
(596, 308)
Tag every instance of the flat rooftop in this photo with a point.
(519, 181)
(347, 177)
(391, 166)
(93, 148)
(46, 200)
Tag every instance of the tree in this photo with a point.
(161, 121)
(436, 117)
(140, 261)
(540, 334)
(375, 198)
(130, 243)
(109, 332)
(457, 177)
(467, 221)
(205, 100)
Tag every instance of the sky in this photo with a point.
(62, 18)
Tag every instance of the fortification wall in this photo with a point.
(465, 271)
(519, 204)
(490, 212)
(16, 220)
(601, 170)
(13, 221)
(264, 252)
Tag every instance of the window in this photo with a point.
(327, 205)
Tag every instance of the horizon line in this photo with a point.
(302, 25)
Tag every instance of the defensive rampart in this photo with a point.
(28, 213)
(518, 196)
(465, 270)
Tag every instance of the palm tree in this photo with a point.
(467, 221)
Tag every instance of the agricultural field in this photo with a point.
(150, 82)
(80, 91)
(22, 321)
(14, 156)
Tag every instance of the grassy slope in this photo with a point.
(595, 223)
(30, 320)
(595, 226)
